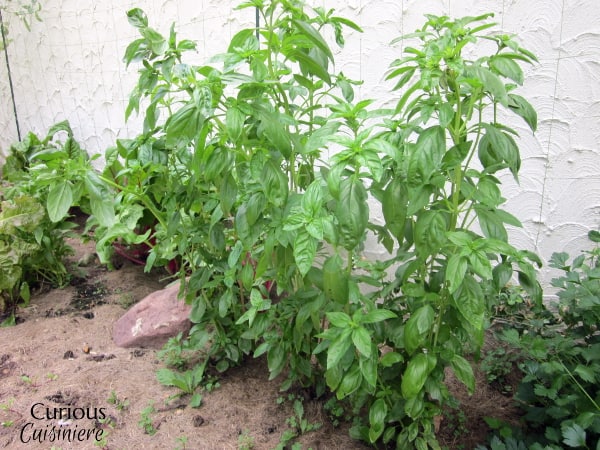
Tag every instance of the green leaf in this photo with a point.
(60, 199)
(310, 65)
(350, 383)
(430, 232)
(185, 122)
(426, 156)
(234, 122)
(417, 371)
(594, 236)
(156, 41)
(377, 315)
(352, 212)
(470, 301)
(573, 435)
(491, 83)
(275, 131)
(275, 183)
(502, 274)
(586, 373)
(228, 193)
(368, 369)
(501, 147)
(165, 376)
(507, 67)
(394, 206)
(276, 360)
(22, 212)
(335, 280)
(305, 249)
(315, 37)
(137, 18)
(377, 415)
(455, 271)
(417, 327)
(196, 400)
(243, 41)
(312, 199)
(338, 319)
(362, 341)
(523, 108)
(338, 348)
(491, 224)
(198, 310)
(464, 372)
(235, 253)
(391, 358)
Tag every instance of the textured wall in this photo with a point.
(70, 67)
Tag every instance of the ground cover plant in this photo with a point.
(230, 178)
(559, 353)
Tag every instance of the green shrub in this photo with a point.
(230, 177)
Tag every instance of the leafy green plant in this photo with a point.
(230, 179)
(181, 443)
(7, 407)
(561, 361)
(433, 172)
(498, 364)
(245, 441)
(146, 422)
(187, 381)
(42, 180)
(177, 353)
(118, 403)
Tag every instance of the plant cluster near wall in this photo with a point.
(41, 180)
(251, 179)
(559, 357)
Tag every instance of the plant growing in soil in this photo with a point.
(561, 360)
(42, 180)
(233, 183)
(146, 422)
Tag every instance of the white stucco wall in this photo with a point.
(70, 67)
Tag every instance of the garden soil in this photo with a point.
(60, 357)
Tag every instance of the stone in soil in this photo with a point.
(151, 322)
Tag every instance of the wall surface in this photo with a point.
(70, 67)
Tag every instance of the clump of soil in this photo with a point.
(60, 371)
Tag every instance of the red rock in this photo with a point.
(153, 320)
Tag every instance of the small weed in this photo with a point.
(181, 443)
(105, 423)
(245, 441)
(174, 354)
(497, 365)
(335, 411)
(456, 417)
(126, 300)
(118, 403)
(298, 424)
(145, 421)
(8, 407)
(51, 376)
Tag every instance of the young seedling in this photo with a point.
(118, 403)
(145, 421)
(245, 441)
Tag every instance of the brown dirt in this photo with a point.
(61, 355)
